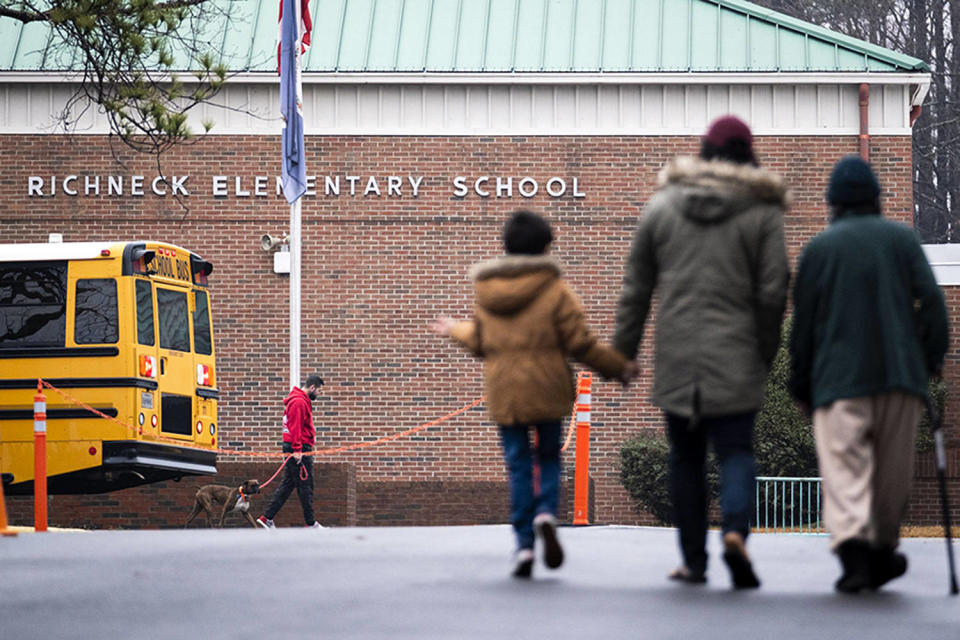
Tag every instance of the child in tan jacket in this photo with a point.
(527, 322)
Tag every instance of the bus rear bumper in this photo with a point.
(127, 463)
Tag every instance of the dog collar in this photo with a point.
(242, 497)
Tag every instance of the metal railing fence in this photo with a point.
(788, 504)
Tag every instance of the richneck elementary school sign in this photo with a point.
(95, 186)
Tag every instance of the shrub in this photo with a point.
(783, 436)
(644, 474)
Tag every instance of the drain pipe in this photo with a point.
(865, 121)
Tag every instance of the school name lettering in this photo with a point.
(317, 186)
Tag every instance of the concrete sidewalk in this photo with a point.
(444, 582)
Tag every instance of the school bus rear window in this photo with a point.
(145, 313)
(95, 319)
(33, 304)
(174, 319)
(201, 325)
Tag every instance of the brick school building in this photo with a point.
(427, 124)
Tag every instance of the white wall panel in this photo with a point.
(521, 108)
(784, 107)
(630, 106)
(586, 108)
(609, 105)
(565, 114)
(503, 109)
(674, 107)
(695, 105)
(498, 107)
(652, 107)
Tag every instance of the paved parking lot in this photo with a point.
(443, 582)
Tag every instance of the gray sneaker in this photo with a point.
(266, 522)
(315, 525)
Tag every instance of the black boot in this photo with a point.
(886, 564)
(855, 558)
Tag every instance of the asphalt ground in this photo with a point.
(445, 582)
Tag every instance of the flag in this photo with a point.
(295, 29)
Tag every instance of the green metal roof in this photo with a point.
(495, 36)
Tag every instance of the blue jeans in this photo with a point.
(524, 504)
(732, 440)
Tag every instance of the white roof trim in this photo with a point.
(522, 78)
(944, 259)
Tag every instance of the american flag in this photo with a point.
(306, 26)
(295, 28)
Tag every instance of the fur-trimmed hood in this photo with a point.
(509, 283)
(712, 191)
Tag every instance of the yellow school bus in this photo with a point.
(123, 328)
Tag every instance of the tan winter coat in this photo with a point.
(527, 320)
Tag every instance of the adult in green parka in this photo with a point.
(869, 328)
(711, 244)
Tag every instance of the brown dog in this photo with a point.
(217, 498)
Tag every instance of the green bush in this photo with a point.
(783, 444)
(783, 436)
(938, 393)
(644, 474)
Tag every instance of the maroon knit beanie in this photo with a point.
(727, 128)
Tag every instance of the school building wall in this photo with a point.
(376, 270)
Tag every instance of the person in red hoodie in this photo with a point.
(298, 437)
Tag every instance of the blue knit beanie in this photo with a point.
(852, 182)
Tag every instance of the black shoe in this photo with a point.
(885, 565)
(735, 555)
(855, 559)
(546, 526)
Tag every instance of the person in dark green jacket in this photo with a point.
(869, 328)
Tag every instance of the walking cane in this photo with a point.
(936, 425)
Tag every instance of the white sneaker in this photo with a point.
(315, 525)
(266, 522)
(523, 563)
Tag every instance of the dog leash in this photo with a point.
(303, 471)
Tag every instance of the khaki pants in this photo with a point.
(866, 449)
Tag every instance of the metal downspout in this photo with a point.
(865, 121)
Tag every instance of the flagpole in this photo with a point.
(295, 293)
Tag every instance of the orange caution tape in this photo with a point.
(332, 450)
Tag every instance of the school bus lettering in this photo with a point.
(183, 270)
(165, 266)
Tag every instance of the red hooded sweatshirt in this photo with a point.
(298, 419)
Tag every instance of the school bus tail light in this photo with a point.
(148, 366)
(204, 375)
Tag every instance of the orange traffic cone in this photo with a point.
(4, 530)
